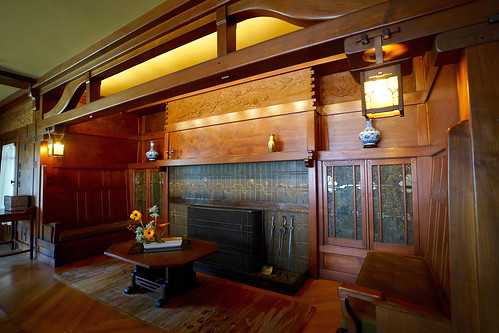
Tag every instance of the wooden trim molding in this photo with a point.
(270, 157)
(374, 153)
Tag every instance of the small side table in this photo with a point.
(170, 273)
(27, 214)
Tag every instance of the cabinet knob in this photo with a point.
(169, 153)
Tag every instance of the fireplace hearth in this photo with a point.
(240, 235)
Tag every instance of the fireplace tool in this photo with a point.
(267, 269)
(282, 231)
(291, 228)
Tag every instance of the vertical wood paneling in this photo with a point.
(443, 107)
(483, 69)
(437, 242)
(463, 247)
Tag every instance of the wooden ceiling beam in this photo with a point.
(314, 42)
(16, 80)
(161, 13)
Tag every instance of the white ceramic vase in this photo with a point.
(369, 135)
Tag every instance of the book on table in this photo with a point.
(167, 243)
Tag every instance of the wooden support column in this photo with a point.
(226, 33)
(92, 89)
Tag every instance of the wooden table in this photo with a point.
(169, 272)
(12, 216)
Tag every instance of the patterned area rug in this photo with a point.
(214, 306)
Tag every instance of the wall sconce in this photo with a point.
(55, 147)
(381, 90)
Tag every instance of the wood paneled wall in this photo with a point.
(89, 184)
(242, 138)
(444, 111)
(436, 237)
(81, 197)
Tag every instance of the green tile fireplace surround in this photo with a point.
(279, 188)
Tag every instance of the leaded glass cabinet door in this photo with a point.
(345, 204)
(140, 190)
(393, 205)
(156, 190)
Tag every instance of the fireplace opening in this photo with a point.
(242, 255)
(238, 233)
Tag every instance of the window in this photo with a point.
(371, 204)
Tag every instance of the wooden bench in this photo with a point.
(61, 244)
(393, 293)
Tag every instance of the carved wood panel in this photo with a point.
(242, 138)
(285, 88)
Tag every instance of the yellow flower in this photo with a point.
(164, 224)
(149, 233)
(136, 215)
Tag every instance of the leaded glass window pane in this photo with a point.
(140, 192)
(344, 202)
(157, 190)
(392, 204)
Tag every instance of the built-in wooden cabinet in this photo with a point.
(367, 205)
(148, 188)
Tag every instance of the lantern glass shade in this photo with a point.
(58, 149)
(55, 148)
(382, 92)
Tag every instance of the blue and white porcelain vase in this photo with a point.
(369, 135)
(152, 155)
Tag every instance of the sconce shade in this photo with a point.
(55, 148)
(382, 92)
(58, 149)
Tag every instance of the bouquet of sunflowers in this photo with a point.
(151, 232)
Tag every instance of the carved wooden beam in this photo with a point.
(302, 13)
(15, 80)
(70, 97)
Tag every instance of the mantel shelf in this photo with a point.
(144, 165)
(267, 157)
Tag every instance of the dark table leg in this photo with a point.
(31, 236)
(133, 287)
(170, 282)
(13, 232)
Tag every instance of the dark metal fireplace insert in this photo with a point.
(242, 255)
(238, 233)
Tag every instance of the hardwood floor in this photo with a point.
(31, 300)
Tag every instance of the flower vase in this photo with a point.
(369, 135)
(152, 155)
